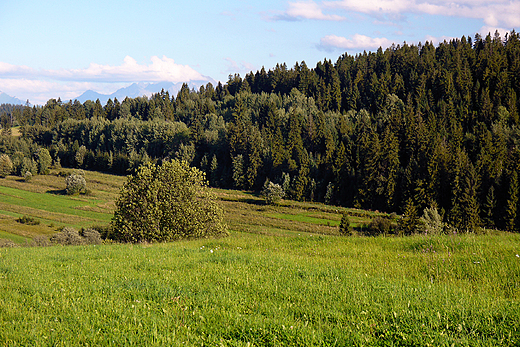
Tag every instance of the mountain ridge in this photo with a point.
(8, 99)
(138, 89)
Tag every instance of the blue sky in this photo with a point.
(61, 48)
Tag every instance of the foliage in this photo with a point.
(345, 228)
(409, 221)
(28, 220)
(70, 236)
(380, 226)
(40, 241)
(435, 124)
(91, 236)
(76, 184)
(432, 221)
(165, 203)
(27, 176)
(67, 236)
(80, 155)
(44, 161)
(272, 192)
(4, 243)
(6, 165)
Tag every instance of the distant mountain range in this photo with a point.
(141, 89)
(7, 99)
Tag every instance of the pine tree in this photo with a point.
(512, 202)
(409, 221)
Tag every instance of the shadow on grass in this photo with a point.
(252, 201)
(57, 192)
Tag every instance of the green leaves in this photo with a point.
(165, 203)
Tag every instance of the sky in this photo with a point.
(61, 48)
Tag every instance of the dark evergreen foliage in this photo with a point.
(395, 130)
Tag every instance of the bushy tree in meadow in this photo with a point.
(76, 184)
(6, 165)
(272, 192)
(165, 203)
(380, 226)
(67, 236)
(345, 228)
(432, 221)
(27, 176)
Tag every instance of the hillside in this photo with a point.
(44, 200)
(397, 130)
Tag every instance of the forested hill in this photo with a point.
(406, 127)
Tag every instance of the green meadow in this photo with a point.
(283, 277)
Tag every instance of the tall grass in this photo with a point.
(266, 290)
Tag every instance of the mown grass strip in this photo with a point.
(50, 203)
(304, 218)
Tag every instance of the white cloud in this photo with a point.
(9, 70)
(160, 70)
(306, 10)
(494, 13)
(485, 30)
(41, 85)
(357, 41)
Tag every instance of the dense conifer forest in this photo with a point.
(396, 130)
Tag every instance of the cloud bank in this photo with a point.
(301, 10)
(495, 13)
(501, 15)
(40, 85)
(357, 41)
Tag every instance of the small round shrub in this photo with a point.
(7, 243)
(67, 236)
(40, 241)
(27, 176)
(91, 236)
(272, 193)
(380, 226)
(76, 184)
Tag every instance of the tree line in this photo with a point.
(396, 130)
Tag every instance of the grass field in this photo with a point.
(44, 199)
(283, 277)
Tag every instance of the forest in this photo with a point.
(396, 130)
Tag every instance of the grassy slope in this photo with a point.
(283, 277)
(44, 199)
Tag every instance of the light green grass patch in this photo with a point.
(13, 237)
(305, 218)
(262, 290)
